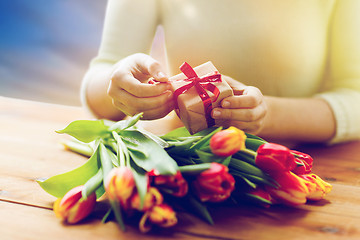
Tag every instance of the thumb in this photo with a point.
(152, 67)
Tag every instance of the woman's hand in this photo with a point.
(131, 93)
(245, 110)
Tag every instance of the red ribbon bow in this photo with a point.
(201, 84)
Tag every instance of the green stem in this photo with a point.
(118, 216)
(194, 169)
(79, 147)
(249, 152)
(119, 149)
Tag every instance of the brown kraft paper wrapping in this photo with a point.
(190, 106)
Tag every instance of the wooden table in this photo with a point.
(30, 149)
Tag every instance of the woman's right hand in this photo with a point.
(131, 93)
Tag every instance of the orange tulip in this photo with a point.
(153, 197)
(72, 207)
(318, 188)
(120, 185)
(162, 215)
(292, 189)
(227, 142)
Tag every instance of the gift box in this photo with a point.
(196, 92)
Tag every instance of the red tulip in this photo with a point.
(120, 185)
(227, 142)
(292, 189)
(72, 207)
(162, 215)
(318, 188)
(273, 158)
(175, 185)
(304, 163)
(214, 184)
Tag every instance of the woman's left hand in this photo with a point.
(245, 110)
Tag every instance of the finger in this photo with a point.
(250, 98)
(245, 115)
(140, 104)
(121, 80)
(237, 87)
(148, 65)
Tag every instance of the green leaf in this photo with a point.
(207, 157)
(153, 137)
(226, 161)
(182, 148)
(205, 140)
(105, 159)
(244, 157)
(257, 199)
(94, 184)
(206, 131)
(86, 130)
(141, 181)
(251, 136)
(157, 157)
(253, 178)
(124, 124)
(176, 133)
(135, 147)
(247, 168)
(247, 181)
(253, 144)
(59, 185)
(183, 160)
(198, 207)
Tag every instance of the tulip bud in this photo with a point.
(227, 142)
(292, 189)
(72, 207)
(175, 185)
(303, 161)
(318, 188)
(214, 184)
(162, 215)
(153, 197)
(120, 185)
(273, 158)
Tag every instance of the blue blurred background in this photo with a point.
(46, 46)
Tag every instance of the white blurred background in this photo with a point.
(46, 46)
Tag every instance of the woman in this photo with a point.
(294, 65)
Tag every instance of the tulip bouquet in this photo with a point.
(144, 176)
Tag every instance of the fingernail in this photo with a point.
(216, 113)
(226, 104)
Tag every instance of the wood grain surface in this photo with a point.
(30, 149)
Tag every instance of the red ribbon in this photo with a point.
(201, 84)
